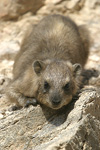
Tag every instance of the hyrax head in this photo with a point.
(58, 82)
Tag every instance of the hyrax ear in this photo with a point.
(77, 69)
(38, 66)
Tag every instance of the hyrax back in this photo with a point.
(48, 67)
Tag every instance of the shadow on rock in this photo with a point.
(58, 117)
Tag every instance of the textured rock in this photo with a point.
(92, 4)
(75, 5)
(53, 1)
(10, 9)
(77, 126)
(60, 6)
(13, 34)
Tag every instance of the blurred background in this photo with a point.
(18, 16)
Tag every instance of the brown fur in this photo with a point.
(50, 57)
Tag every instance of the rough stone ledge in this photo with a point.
(75, 127)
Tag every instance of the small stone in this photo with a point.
(1, 116)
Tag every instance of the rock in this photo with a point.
(91, 7)
(53, 1)
(10, 9)
(76, 126)
(92, 4)
(75, 5)
(8, 49)
(60, 6)
(6, 69)
(13, 35)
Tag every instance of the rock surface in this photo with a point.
(77, 125)
(10, 9)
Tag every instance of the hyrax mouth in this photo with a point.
(55, 100)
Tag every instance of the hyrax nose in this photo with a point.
(56, 100)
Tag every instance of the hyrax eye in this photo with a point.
(46, 85)
(66, 87)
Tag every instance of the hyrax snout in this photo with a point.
(49, 65)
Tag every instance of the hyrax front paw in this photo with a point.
(31, 101)
(14, 108)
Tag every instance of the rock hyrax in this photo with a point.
(49, 64)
